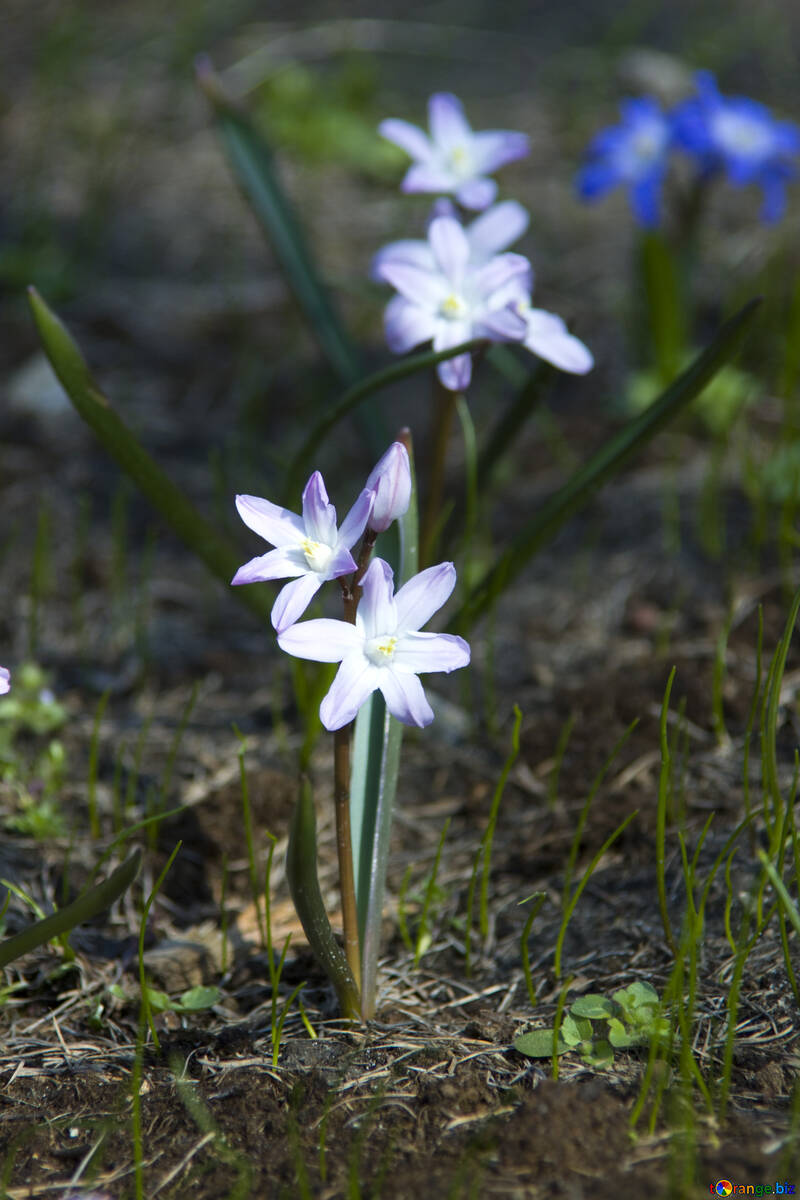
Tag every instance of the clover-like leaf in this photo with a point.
(594, 1006)
(539, 1044)
(619, 1036)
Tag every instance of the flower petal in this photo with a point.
(355, 522)
(502, 325)
(477, 193)
(428, 177)
(549, 337)
(405, 698)
(500, 273)
(448, 125)
(495, 147)
(496, 229)
(423, 288)
(293, 600)
(5, 680)
(454, 373)
(423, 595)
(319, 515)
(420, 652)
(407, 136)
(321, 640)
(450, 247)
(407, 250)
(407, 325)
(274, 524)
(355, 681)
(376, 613)
(277, 564)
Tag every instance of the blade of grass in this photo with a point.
(604, 465)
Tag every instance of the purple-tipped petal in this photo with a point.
(497, 229)
(423, 595)
(377, 614)
(405, 698)
(319, 515)
(476, 194)
(277, 564)
(456, 373)
(496, 147)
(406, 325)
(5, 680)
(450, 247)
(420, 652)
(355, 681)
(407, 136)
(274, 524)
(293, 600)
(549, 337)
(356, 520)
(500, 272)
(390, 481)
(448, 125)
(321, 640)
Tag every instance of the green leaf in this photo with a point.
(598, 1054)
(570, 1031)
(619, 1036)
(594, 1006)
(159, 1001)
(301, 874)
(95, 901)
(254, 170)
(373, 783)
(603, 465)
(202, 538)
(636, 996)
(197, 998)
(356, 395)
(539, 1044)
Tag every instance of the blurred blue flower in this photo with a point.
(633, 154)
(742, 138)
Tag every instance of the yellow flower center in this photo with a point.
(453, 307)
(380, 650)
(318, 555)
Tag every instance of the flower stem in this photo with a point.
(344, 847)
(443, 420)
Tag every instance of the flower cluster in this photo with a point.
(720, 134)
(462, 284)
(384, 649)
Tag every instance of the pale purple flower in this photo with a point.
(447, 300)
(384, 650)
(548, 337)
(454, 160)
(308, 547)
(390, 480)
(5, 680)
(488, 234)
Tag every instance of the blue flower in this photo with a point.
(740, 137)
(634, 154)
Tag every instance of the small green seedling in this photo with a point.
(595, 1026)
(195, 999)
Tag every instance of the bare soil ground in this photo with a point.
(431, 1098)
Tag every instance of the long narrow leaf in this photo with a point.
(373, 784)
(360, 392)
(202, 538)
(95, 901)
(604, 465)
(301, 874)
(254, 170)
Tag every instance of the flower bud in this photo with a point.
(390, 480)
